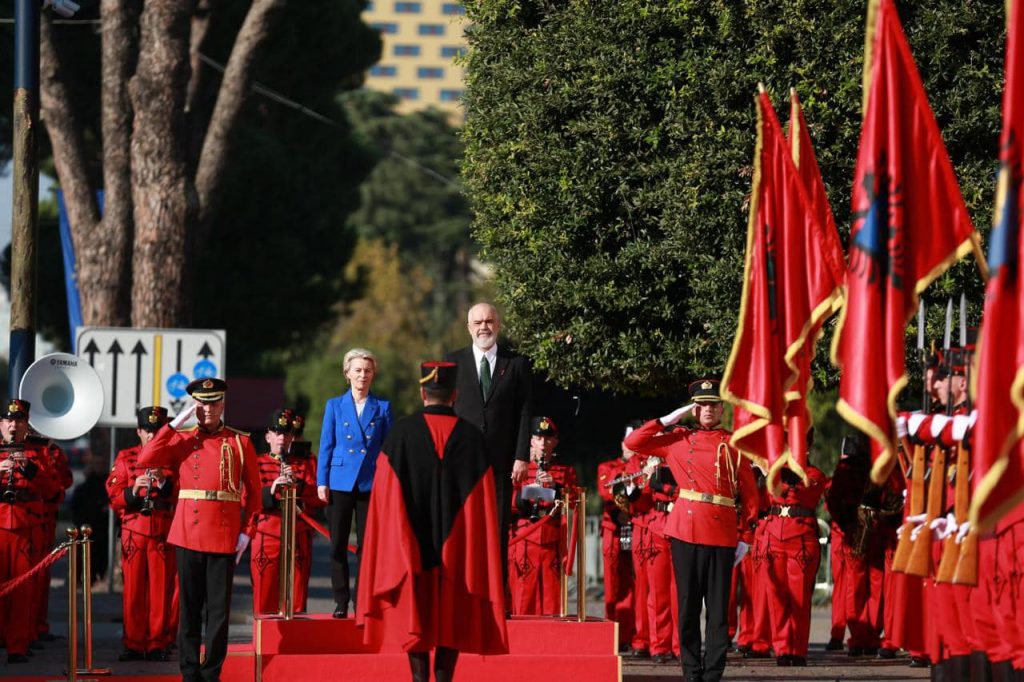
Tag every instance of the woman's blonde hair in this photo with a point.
(358, 354)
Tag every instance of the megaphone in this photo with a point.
(66, 396)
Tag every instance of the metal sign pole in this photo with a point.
(111, 539)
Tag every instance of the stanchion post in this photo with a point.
(286, 561)
(563, 610)
(581, 555)
(72, 604)
(85, 537)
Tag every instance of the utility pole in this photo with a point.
(24, 227)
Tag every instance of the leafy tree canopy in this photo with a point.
(609, 154)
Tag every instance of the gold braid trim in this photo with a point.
(227, 478)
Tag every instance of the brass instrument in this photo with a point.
(147, 496)
(286, 560)
(16, 457)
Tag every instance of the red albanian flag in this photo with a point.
(999, 473)
(909, 225)
(782, 303)
(824, 278)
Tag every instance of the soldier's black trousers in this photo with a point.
(204, 579)
(703, 576)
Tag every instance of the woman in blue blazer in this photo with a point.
(355, 426)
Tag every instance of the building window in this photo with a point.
(449, 51)
(407, 93)
(430, 72)
(385, 27)
(408, 7)
(383, 70)
(407, 50)
(431, 29)
(451, 95)
(452, 8)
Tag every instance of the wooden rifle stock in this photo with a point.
(951, 550)
(967, 564)
(902, 555)
(920, 563)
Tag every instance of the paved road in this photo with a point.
(51, 659)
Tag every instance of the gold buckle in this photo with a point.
(707, 497)
(210, 494)
(784, 511)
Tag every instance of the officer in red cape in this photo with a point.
(431, 574)
(214, 464)
(710, 524)
(144, 500)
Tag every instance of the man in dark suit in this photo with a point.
(493, 394)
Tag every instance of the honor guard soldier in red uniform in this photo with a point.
(45, 533)
(215, 464)
(278, 470)
(753, 634)
(652, 559)
(144, 500)
(616, 545)
(791, 536)
(717, 497)
(26, 480)
(538, 541)
(303, 460)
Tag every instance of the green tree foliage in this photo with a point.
(413, 197)
(609, 148)
(271, 268)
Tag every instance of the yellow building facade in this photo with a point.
(421, 40)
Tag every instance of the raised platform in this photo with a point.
(319, 647)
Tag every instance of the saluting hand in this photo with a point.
(183, 416)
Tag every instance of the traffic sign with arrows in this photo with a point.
(160, 365)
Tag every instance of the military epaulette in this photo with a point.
(188, 428)
(238, 431)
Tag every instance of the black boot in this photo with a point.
(980, 667)
(958, 669)
(1002, 672)
(419, 664)
(444, 664)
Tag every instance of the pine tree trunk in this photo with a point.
(163, 194)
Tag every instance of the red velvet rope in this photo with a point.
(320, 529)
(12, 584)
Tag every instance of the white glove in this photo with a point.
(963, 531)
(674, 417)
(741, 551)
(184, 416)
(901, 427)
(918, 520)
(240, 546)
(944, 526)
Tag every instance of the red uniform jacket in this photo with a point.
(128, 506)
(268, 520)
(563, 479)
(702, 461)
(32, 483)
(798, 495)
(431, 571)
(224, 461)
(611, 517)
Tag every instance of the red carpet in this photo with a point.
(319, 647)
